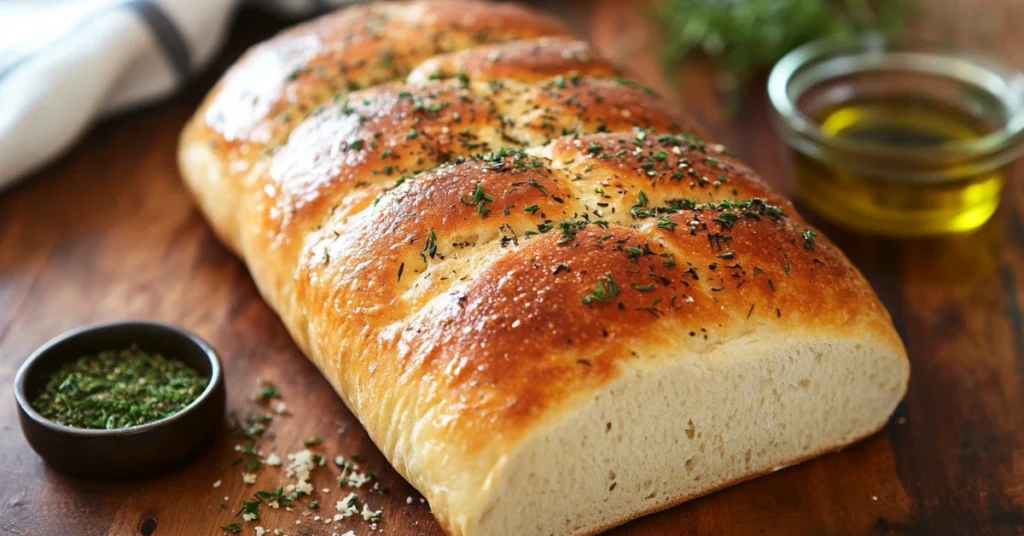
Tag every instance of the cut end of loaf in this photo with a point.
(678, 428)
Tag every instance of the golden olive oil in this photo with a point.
(877, 202)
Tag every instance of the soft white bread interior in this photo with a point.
(684, 425)
(553, 304)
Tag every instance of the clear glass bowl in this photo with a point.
(952, 122)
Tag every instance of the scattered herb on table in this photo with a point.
(118, 389)
(277, 495)
(267, 391)
(299, 466)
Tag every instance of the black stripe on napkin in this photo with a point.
(166, 34)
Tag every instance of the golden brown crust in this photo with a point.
(278, 84)
(427, 263)
(280, 81)
(348, 153)
(528, 60)
(471, 232)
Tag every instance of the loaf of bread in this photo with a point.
(553, 304)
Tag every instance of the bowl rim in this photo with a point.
(1001, 145)
(171, 330)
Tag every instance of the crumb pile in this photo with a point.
(258, 456)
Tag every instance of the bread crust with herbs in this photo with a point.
(470, 222)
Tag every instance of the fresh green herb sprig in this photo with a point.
(808, 236)
(275, 495)
(744, 37)
(267, 391)
(478, 197)
(606, 290)
(118, 389)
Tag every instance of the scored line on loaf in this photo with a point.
(365, 139)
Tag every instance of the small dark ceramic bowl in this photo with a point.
(133, 452)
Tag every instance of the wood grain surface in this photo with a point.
(108, 232)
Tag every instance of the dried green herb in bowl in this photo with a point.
(118, 389)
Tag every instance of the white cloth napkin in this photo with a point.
(66, 63)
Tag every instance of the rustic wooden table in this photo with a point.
(109, 232)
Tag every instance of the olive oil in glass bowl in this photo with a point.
(898, 140)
